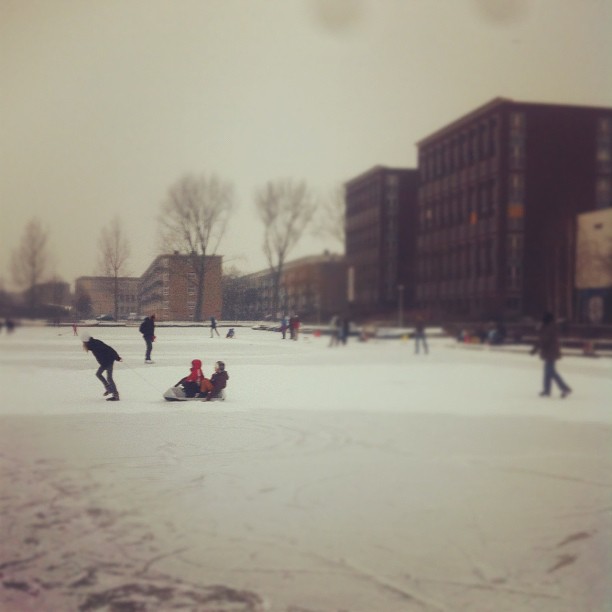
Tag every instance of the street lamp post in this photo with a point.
(400, 307)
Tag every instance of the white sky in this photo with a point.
(104, 104)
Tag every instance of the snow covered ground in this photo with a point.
(362, 478)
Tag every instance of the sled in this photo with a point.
(177, 394)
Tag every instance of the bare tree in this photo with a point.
(330, 218)
(193, 221)
(30, 260)
(286, 208)
(114, 251)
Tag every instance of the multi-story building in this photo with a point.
(381, 212)
(95, 295)
(501, 188)
(312, 287)
(168, 288)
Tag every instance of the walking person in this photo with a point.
(344, 329)
(147, 329)
(548, 347)
(419, 336)
(106, 356)
(213, 327)
(334, 330)
(284, 326)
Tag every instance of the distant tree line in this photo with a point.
(193, 219)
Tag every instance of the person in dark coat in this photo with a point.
(419, 336)
(147, 329)
(213, 327)
(106, 356)
(548, 347)
(218, 380)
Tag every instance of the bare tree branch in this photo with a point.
(286, 208)
(30, 259)
(193, 221)
(114, 251)
(330, 217)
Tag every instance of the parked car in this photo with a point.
(105, 317)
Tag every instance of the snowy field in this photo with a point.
(362, 478)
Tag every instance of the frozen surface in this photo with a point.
(362, 478)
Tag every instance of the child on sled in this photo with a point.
(213, 388)
(192, 383)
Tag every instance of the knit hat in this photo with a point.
(85, 337)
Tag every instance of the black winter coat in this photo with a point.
(104, 354)
(147, 328)
(219, 381)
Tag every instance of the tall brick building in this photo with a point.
(381, 213)
(500, 191)
(169, 289)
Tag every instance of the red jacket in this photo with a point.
(195, 375)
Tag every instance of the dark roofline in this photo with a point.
(499, 102)
(135, 278)
(379, 169)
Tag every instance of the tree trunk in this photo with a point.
(199, 268)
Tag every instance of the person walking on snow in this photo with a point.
(213, 327)
(419, 336)
(106, 356)
(548, 347)
(147, 329)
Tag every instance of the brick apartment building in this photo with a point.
(313, 287)
(500, 192)
(168, 288)
(95, 295)
(381, 213)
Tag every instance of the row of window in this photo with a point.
(472, 205)
(461, 150)
(464, 261)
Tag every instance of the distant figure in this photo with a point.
(548, 347)
(284, 326)
(10, 326)
(213, 327)
(334, 330)
(344, 329)
(230, 333)
(294, 327)
(419, 336)
(106, 357)
(74, 329)
(147, 329)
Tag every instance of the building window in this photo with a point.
(517, 140)
(603, 193)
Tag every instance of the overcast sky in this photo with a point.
(105, 103)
